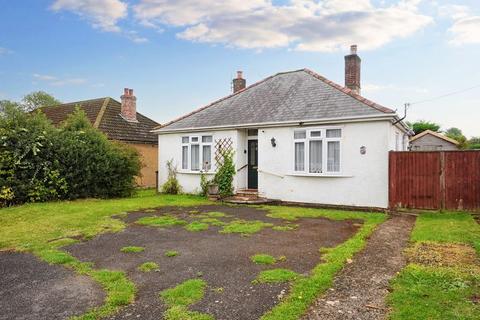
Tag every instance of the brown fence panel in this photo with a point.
(462, 180)
(415, 180)
(435, 180)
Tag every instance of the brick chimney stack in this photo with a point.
(352, 70)
(129, 105)
(239, 83)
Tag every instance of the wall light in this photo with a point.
(274, 143)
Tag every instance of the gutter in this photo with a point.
(378, 117)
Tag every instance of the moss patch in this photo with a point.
(171, 253)
(215, 214)
(263, 259)
(245, 226)
(132, 249)
(196, 226)
(213, 221)
(161, 221)
(148, 266)
(276, 276)
(287, 227)
(179, 298)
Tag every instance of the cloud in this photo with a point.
(373, 88)
(306, 25)
(466, 26)
(5, 51)
(102, 14)
(58, 82)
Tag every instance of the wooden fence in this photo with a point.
(435, 180)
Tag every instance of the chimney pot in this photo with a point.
(352, 70)
(239, 83)
(129, 105)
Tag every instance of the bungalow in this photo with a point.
(297, 137)
(120, 121)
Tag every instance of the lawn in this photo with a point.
(270, 255)
(442, 280)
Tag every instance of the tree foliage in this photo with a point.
(457, 134)
(39, 162)
(423, 125)
(474, 143)
(30, 102)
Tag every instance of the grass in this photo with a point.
(43, 228)
(179, 298)
(287, 227)
(276, 276)
(196, 226)
(263, 259)
(213, 221)
(148, 266)
(132, 249)
(215, 214)
(171, 253)
(245, 227)
(442, 279)
(161, 221)
(304, 290)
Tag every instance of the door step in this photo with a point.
(247, 196)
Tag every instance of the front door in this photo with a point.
(252, 164)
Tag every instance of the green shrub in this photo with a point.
(39, 162)
(172, 186)
(225, 173)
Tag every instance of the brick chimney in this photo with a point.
(352, 70)
(129, 105)
(239, 83)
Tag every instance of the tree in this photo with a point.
(38, 99)
(457, 134)
(474, 143)
(30, 102)
(422, 125)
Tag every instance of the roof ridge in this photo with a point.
(76, 102)
(224, 98)
(436, 134)
(100, 114)
(349, 92)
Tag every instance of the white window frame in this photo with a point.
(200, 144)
(325, 140)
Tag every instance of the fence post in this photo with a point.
(442, 181)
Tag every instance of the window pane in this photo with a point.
(206, 139)
(207, 158)
(333, 156)
(300, 134)
(334, 133)
(252, 132)
(184, 139)
(195, 151)
(299, 156)
(316, 134)
(185, 157)
(194, 139)
(315, 160)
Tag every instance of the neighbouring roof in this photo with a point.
(436, 134)
(104, 114)
(298, 95)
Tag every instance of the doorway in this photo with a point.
(252, 182)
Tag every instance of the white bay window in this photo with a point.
(317, 151)
(197, 153)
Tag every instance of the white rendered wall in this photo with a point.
(362, 182)
(170, 147)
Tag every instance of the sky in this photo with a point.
(179, 55)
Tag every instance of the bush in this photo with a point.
(225, 173)
(39, 162)
(171, 186)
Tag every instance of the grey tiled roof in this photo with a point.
(109, 122)
(289, 96)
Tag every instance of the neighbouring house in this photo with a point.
(120, 121)
(297, 137)
(432, 141)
